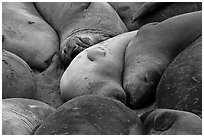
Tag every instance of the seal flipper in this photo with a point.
(147, 8)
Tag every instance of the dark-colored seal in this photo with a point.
(91, 115)
(160, 11)
(181, 84)
(125, 10)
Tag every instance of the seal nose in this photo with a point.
(76, 50)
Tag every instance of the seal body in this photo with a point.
(91, 115)
(150, 52)
(17, 77)
(26, 34)
(81, 25)
(20, 116)
(97, 70)
(160, 11)
(181, 84)
(172, 122)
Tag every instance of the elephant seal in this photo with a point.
(97, 70)
(160, 11)
(81, 25)
(150, 52)
(17, 77)
(181, 84)
(20, 116)
(91, 115)
(26, 34)
(125, 10)
(171, 122)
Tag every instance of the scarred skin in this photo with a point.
(26, 34)
(97, 70)
(91, 115)
(172, 122)
(17, 77)
(81, 25)
(181, 84)
(150, 52)
(20, 116)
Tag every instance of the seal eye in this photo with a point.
(65, 51)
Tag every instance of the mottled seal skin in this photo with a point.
(149, 53)
(26, 34)
(17, 77)
(81, 25)
(97, 70)
(171, 122)
(162, 11)
(20, 116)
(91, 115)
(181, 84)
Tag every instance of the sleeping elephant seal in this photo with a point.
(97, 70)
(91, 115)
(81, 25)
(21, 116)
(26, 34)
(160, 11)
(181, 84)
(171, 122)
(149, 53)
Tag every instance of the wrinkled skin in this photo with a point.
(91, 115)
(149, 53)
(17, 77)
(172, 122)
(20, 116)
(81, 25)
(181, 84)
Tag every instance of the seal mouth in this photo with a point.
(80, 41)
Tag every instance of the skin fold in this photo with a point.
(150, 52)
(81, 25)
(20, 116)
